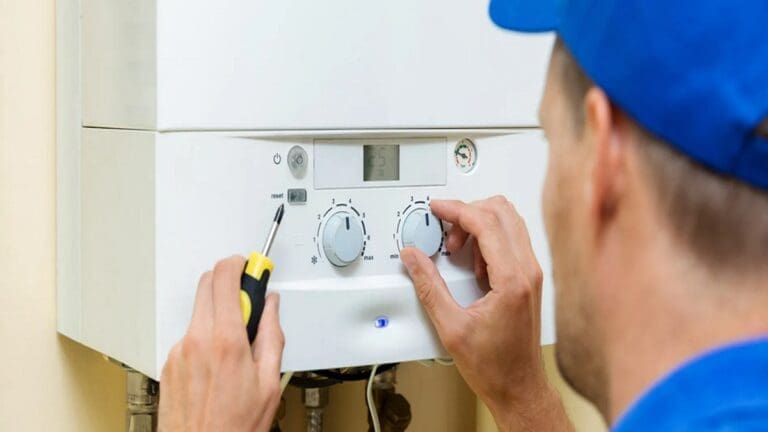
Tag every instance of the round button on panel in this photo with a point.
(422, 230)
(298, 161)
(342, 239)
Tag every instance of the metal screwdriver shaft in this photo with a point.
(253, 283)
(275, 225)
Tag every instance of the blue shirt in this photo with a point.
(723, 390)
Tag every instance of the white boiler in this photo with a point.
(183, 124)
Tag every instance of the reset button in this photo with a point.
(297, 196)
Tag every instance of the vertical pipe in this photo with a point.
(393, 409)
(142, 395)
(315, 400)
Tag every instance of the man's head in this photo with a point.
(606, 174)
(655, 201)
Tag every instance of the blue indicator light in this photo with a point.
(382, 322)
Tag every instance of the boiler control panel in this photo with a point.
(391, 178)
(352, 203)
(178, 202)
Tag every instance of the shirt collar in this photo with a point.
(731, 377)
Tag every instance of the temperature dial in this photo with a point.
(423, 231)
(342, 239)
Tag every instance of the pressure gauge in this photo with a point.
(465, 155)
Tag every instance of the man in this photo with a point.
(656, 208)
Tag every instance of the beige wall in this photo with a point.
(440, 401)
(583, 415)
(46, 382)
(50, 383)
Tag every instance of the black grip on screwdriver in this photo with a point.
(253, 289)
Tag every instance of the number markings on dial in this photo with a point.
(350, 237)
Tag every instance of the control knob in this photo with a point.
(342, 239)
(423, 231)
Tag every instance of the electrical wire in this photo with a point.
(369, 399)
(284, 380)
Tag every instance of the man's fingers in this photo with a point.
(447, 210)
(481, 268)
(486, 225)
(431, 289)
(269, 343)
(457, 237)
(472, 219)
(202, 314)
(226, 293)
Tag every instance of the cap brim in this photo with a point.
(526, 15)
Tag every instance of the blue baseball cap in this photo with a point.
(694, 73)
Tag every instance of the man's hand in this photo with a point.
(213, 379)
(495, 342)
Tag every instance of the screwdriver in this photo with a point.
(253, 283)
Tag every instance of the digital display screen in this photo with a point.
(381, 163)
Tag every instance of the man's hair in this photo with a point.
(721, 220)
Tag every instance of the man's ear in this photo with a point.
(762, 129)
(604, 134)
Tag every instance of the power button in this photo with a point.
(297, 161)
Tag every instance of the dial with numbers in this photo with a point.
(341, 235)
(419, 228)
(422, 230)
(343, 238)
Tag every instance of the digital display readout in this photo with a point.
(381, 163)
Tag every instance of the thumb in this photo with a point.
(440, 305)
(269, 343)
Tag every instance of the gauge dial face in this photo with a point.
(465, 155)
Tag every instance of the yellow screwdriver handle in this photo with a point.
(253, 289)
